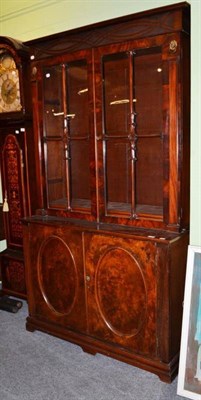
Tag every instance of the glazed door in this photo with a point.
(55, 275)
(121, 292)
(68, 134)
(134, 129)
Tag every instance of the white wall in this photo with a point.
(29, 19)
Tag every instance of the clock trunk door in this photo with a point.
(14, 183)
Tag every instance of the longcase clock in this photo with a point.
(16, 146)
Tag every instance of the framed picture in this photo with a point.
(189, 378)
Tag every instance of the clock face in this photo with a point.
(9, 85)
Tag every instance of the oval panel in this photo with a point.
(121, 292)
(57, 275)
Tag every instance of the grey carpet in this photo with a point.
(36, 366)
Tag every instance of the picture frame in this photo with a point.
(189, 377)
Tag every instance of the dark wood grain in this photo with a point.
(123, 295)
(105, 252)
(145, 24)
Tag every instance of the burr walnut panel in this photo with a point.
(122, 291)
(57, 275)
(58, 279)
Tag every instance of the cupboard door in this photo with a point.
(121, 292)
(67, 133)
(55, 276)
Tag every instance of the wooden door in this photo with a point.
(121, 292)
(55, 275)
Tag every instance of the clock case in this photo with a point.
(17, 171)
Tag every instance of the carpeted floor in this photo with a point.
(36, 366)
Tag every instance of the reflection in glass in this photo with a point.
(78, 133)
(132, 132)
(66, 135)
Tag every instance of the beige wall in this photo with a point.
(29, 19)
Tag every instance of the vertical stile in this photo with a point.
(173, 143)
(132, 131)
(66, 136)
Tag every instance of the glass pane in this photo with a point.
(118, 177)
(78, 132)
(80, 177)
(53, 134)
(149, 176)
(148, 92)
(116, 98)
(56, 174)
(133, 155)
(77, 98)
(148, 106)
(53, 102)
(116, 94)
